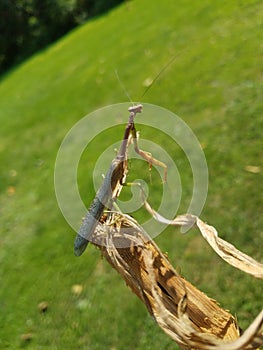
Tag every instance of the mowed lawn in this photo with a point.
(214, 84)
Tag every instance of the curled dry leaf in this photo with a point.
(77, 289)
(11, 191)
(26, 337)
(252, 169)
(225, 250)
(43, 306)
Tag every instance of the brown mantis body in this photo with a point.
(112, 184)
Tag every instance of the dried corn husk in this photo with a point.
(187, 315)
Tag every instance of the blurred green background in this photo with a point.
(215, 85)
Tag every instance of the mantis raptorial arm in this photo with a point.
(147, 155)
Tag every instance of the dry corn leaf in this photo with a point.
(187, 315)
(225, 250)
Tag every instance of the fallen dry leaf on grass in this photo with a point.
(252, 169)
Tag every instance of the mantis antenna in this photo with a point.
(161, 72)
(123, 86)
(165, 67)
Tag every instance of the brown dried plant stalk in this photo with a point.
(187, 315)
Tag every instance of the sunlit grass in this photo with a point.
(214, 84)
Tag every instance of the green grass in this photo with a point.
(215, 84)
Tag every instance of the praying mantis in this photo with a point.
(113, 183)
